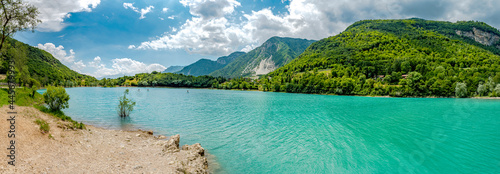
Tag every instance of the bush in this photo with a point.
(497, 90)
(461, 90)
(126, 105)
(56, 98)
(482, 90)
(44, 126)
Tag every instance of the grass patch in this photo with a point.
(23, 97)
(60, 114)
(44, 126)
(4, 97)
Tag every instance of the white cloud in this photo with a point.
(171, 17)
(208, 9)
(54, 12)
(142, 11)
(58, 52)
(78, 66)
(96, 62)
(164, 10)
(212, 30)
(121, 66)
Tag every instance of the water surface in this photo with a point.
(258, 132)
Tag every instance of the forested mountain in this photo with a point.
(38, 67)
(412, 57)
(272, 54)
(172, 69)
(206, 66)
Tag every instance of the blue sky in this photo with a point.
(109, 38)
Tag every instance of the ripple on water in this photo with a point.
(256, 132)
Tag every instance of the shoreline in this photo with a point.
(96, 149)
(382, 96)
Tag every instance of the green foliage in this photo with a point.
(482, 90)
(461, 90)
(165, 79)
(280, 50)
(56, 98)
(401, 57)
(497, 90)
(126, 105)
(44, 126)
(60, 114)
(38, 67)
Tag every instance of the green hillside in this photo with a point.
(206, 66)
(411, 57)
(36, 66)
(272, 54)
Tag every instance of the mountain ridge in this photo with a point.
(272, 54)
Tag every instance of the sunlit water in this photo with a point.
(258, 132)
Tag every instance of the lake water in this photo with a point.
(259, 132)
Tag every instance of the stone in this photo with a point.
(195, 148)
(150, 132)
(161, 137)
(172, 145)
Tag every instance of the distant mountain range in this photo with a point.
(206, 66)
(272, 54)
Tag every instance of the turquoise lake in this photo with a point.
(263, 132)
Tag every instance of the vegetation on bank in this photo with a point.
(391, 57)
(24, 97)
(162, 79)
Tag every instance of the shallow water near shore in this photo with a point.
(260, 132)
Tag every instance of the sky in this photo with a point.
(111, 38)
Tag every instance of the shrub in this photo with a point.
(44, 126)
(56, 98)
(497, 90)
(482, 90)
(461, 90)
(126, 105)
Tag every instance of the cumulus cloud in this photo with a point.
(58, 52)
(208, 9)
(142, 11)
(121, 66)
(78, 66)
(164, 10)
(212, 32)
(53, 12)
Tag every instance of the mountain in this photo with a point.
(173, 69)
(34, 66)
(272, 54)
(206, 66)
(410, 57)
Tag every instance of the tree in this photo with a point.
(15, 15)
(56, 98)
(126, 105)
(33, 91)
(461, 90)
(497, 90)
(482, 90)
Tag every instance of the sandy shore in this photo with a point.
(94, 150)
